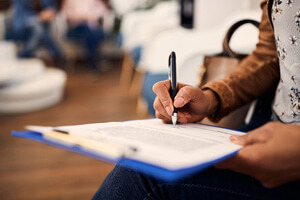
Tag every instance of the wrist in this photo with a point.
(213, 102)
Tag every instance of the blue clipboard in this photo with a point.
(142, 167)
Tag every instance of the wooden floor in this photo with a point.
(33, 171)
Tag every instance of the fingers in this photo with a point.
(185, 95)
(189, 99)
(259, 135)
(163, 118)
(184, 117)
(163, 102)
(248, 139)
(160, 111)
(263, 157)
(247, 160)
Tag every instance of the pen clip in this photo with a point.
(169, 66)
(172, 74)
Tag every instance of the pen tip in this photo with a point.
(174, 119)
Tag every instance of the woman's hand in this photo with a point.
(192, 102)
(47, 15)
(271, 154)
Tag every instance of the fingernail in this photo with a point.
(234, 139)
(169, 110)
(179, 102)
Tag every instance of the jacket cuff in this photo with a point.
(225, 96)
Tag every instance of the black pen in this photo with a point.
(172, 78)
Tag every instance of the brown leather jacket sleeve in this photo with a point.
(254, 75)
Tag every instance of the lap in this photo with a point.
(123, 183)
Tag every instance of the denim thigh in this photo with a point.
(123, 183)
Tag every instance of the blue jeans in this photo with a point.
(39, 34)
(123, 183)
(91, 38)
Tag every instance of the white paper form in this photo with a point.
(161, 144)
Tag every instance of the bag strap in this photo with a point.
(226, 49)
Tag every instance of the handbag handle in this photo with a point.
(226, 48)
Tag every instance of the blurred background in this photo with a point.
(67, 62)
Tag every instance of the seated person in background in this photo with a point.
(84, 20)
(31, 21)
(268, 167)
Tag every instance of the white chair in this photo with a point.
(194, 44)
(20, 70)
(33, 94)
(122, 7)
(138, 27)
(209, 13)
(8, 50)
(243, 41)
(187, 43)
(25, 86)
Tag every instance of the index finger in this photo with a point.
(161, 89)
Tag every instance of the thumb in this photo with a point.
(185, 95)
(252, 137)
